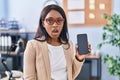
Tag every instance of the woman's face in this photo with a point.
(53, 23)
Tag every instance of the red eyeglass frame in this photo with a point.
(54, 20)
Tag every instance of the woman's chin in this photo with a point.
(54, 35)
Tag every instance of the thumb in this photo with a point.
(76, 47)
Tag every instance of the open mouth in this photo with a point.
(55, 31)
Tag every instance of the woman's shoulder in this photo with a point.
(35, 42)
(68, 45)
(31, 41)
(70, 42)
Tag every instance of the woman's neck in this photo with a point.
(54, 42)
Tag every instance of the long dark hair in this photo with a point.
(64, 36)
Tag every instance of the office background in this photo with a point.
(27, 13)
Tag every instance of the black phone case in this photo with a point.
(82, 42)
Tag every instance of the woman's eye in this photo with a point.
(59, 21)
(50, 20)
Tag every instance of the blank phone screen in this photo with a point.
(82, 42)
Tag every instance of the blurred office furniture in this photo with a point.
(12, 62)
(12, 45)
(86, 71)
(8, 62)
(13, 38)
(16, 75)
(17, 60)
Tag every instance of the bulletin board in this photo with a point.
(87, 12)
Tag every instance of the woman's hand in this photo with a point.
(81, 57)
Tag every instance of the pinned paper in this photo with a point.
(92, 6)
(92, 1)
(91, 16)
(102, 6)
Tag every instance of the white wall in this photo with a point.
(4, 9)
(1, 9)
(27, 13)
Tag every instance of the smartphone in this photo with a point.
(82, 42)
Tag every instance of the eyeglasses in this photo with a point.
(52, 20)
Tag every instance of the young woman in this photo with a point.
(50, 55)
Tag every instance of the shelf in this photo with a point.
(17, 31)
(93, 57)
(5, 52)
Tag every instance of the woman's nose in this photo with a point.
(55, 24)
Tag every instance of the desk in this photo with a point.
(17, 75)
(8, 79)
(5, 52)
(86, 70)
(98, 59)
(4, 78)
(2, 75)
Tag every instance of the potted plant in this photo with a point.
(111, 35)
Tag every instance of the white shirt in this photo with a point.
(57, 62)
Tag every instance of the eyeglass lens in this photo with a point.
(51, 20)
